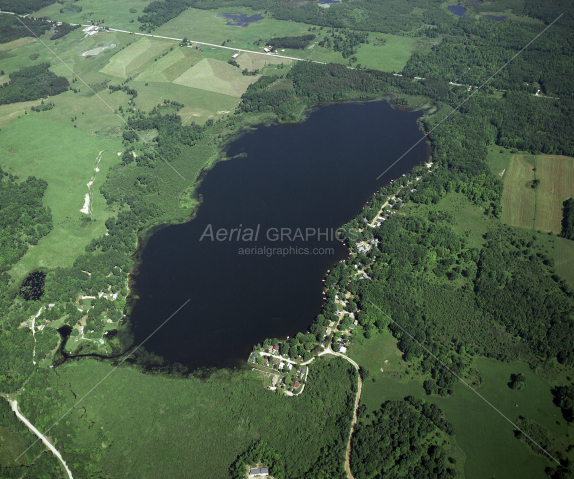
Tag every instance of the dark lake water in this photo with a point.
(456, 9)
(239, 19)
(316, 174)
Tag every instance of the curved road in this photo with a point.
(29, 425)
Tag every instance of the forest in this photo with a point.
(31, 83)
(297, 43)
(402, 439)
(22, 7)
(11, 27)
(568, 219)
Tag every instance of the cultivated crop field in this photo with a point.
(518, 199)
(216, 76)
(539, 208)
(136, 57)
(170, 66)
(556, 174)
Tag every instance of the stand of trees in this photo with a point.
(568, 219)
(295, 43)
(31, 83)
(11, 28)
(63, 30)
(399, 441)
(23, 7)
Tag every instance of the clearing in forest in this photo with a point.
(556, 175)
(539, 208)
(135, 58)
(519, 199)
(216, 76)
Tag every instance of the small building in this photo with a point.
(266, 50)
(276, 347)
(260, 471)
(265, 360)
(198, 46)
(296, 385)
(235, 56)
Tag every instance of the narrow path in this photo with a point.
(29, 425)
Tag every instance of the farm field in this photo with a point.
(556, 174)
(115, 14)
(204, 26)
(136, 57)
(170, 66)
(564, 259)
(518, 199)
(216, 76)
(540, 208)
(390, 57)
(200, 105)
(63, 156)
(486, 437)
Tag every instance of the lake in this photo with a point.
(312, 176)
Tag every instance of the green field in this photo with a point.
(63, 156)
(136, 57)
(564, 259)
(556, 174)
(115, 14)
(390, 57)
(539, 208)
(199, 104)
(216, 76)
(486, 437)
(170, 66)
(518, 199)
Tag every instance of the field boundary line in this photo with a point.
(101, 99)
(471, 95)
(105, 377)
(444, 366)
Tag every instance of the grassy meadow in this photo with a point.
(63, 156)
(485, 436)
(115, 14)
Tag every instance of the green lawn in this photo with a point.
(63, 156)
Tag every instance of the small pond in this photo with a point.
(456, 9)
(240, 19)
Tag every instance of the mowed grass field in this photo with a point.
(216, 76)
(564, 259)
(170, 66)
(556, 174)
(518, 199)
(200, 105)
(63, 156)
(136, 57)
(485, 436)
(540, 208)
